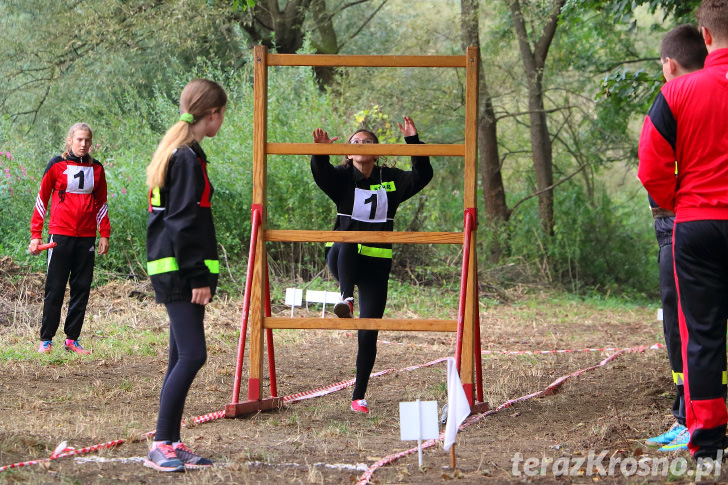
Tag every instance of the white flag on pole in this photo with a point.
(458, 407)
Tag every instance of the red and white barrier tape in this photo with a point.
(532, 352)
(550, 389)
(322, 391)
(63, 451)
(568, 351)
(206, 418)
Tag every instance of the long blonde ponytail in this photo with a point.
(199, 98)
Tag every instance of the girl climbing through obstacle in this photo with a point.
(182, 259)
(367, 195)
(76, 185)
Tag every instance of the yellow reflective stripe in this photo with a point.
(370, 251)
(375, 252)
(156, 198)
(677, 378)
(165, 265)
(213, 265)
(725, 378)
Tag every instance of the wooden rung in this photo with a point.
(404, 324)
(283, 235)
(443, 150)
(365, 60)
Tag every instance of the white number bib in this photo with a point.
(79, 179)
(370, 205)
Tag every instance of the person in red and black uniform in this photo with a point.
(182, 259)
(367, 196)
(76, 185)
(682, 51)
(687, 123)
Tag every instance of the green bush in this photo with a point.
(604, 245)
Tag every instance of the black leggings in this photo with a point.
(187, 355)
(371, 276)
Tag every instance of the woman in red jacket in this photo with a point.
(76, 185)
(182, 259)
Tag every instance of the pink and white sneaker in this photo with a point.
(360, 406)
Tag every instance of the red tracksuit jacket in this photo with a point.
(78, 206)
(700, 190)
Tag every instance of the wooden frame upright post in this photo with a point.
(470, 203)
(258, 287)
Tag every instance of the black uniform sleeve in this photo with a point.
(185, 182)
(415, 180)
(331, 181)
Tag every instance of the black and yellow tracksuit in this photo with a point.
(367, 265)
(181, 255)
(181, 243)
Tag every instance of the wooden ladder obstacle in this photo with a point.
(256, 302)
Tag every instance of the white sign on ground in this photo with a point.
(418, 421)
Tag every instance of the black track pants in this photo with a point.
(187, 355)
(72, 260)
(670, 325)
(700, 250)
(371, 276)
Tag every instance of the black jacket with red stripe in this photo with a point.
(181, 242)
(76, 188)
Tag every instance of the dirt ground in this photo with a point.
(606, 411)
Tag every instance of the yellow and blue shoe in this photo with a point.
(679, 443)
(666, 437)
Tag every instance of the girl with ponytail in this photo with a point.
(182, 259)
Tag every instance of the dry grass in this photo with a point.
(113, 393)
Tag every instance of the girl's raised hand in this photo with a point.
(409, 127)
(320, 136)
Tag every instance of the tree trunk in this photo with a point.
(282, 27)
(494, 194)
(328, 42)
(534, 61)
(275, 27)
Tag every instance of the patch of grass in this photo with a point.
(338, 428)
(435, 302)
